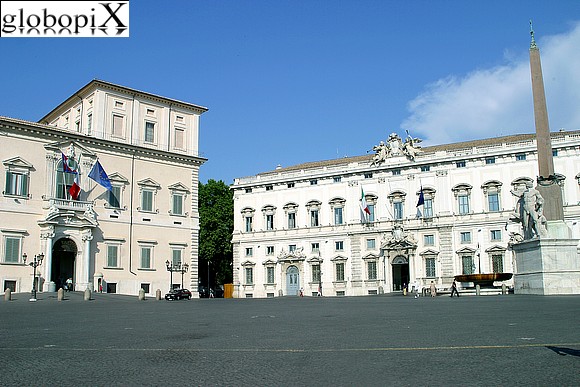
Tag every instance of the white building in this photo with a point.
(303, 226)
(120, 238)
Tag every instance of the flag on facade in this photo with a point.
(99, 175)
(363, 205)
(75, 188)
(66, 164)
(420, 203)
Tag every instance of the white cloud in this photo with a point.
(498, 101)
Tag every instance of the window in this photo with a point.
(313, 182)
(496, 235)
(291, 248)
(114, 196)
(493, 201)
(337, 179)
(290, 185)
(465, 237)
(147, 200)
(371, 208)
(337, 215)
(339, 245)
(396, 172)
(315, 247)
(368, 175)
(314, 218)
(291, 220)
(179, 118)
(269, 187)
(176, 254)
(398, 210)
(177, 204)
(490, 160)
(269, 250)
(146, 287)
(371, 244)
(146, 254)
(316, 273)
(461, 164)
(118, 122)
(430, 267)
(12, 249)
(89, 123)
(249, 251)
(248, 222)
(269, 222)
(149, 132)
(179, 138)
(249, 275)
(425, 168)
(497, 263)
(150, 112)
(65, 180)
(463, 202)
(520, 157)
(112, 256)
(372, 270)
(119, 104)
(339, 267)
(467, 264)
(429, 240)
(428, 208)
(269, 275)
(248, 190)
(554, 152)
(16, 184)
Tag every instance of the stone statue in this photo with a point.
(411, 147)
(529, 212)
(381, 153)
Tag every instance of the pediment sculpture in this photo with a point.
(394, 146)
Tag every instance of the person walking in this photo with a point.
(433, 289)
(454, 288)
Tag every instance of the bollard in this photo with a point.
(60, 294)
(503, 289)
(87, 294)
(477, 290)
(141, 294)
(7, 294)
(158, 294)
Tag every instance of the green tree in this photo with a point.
(216, 216)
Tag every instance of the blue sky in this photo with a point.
(288, 82)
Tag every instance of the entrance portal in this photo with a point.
(64, 252)
(400, 268)
(292, 281)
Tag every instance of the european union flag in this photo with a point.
(99, 175)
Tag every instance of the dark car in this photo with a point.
(203, 292)
(178, 294)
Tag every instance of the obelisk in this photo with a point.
(547, 179)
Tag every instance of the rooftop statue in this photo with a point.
(394, 146)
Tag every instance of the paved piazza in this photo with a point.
(382, 340)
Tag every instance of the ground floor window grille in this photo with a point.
(467, 263)
(430, 267)
(497, 262)
(146, 287)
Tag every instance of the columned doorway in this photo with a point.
(400, 267)
(64, 252)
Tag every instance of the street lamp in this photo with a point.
(183, 269)
(35, 263)
(170, 269)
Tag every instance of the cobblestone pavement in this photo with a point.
(116, 340)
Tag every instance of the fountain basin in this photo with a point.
(483, 280)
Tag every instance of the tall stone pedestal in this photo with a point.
(547, 266)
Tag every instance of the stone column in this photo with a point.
(48, 235)
(87, 237)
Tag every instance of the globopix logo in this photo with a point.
(60, 19)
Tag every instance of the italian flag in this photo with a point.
(363, 203)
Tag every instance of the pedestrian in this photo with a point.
(301, 292)
(433, 289)
(454, 288)
(69, 284)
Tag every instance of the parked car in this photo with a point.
(218, 292)
(178, 294)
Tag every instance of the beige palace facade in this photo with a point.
(115, 238)
(303, 228)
